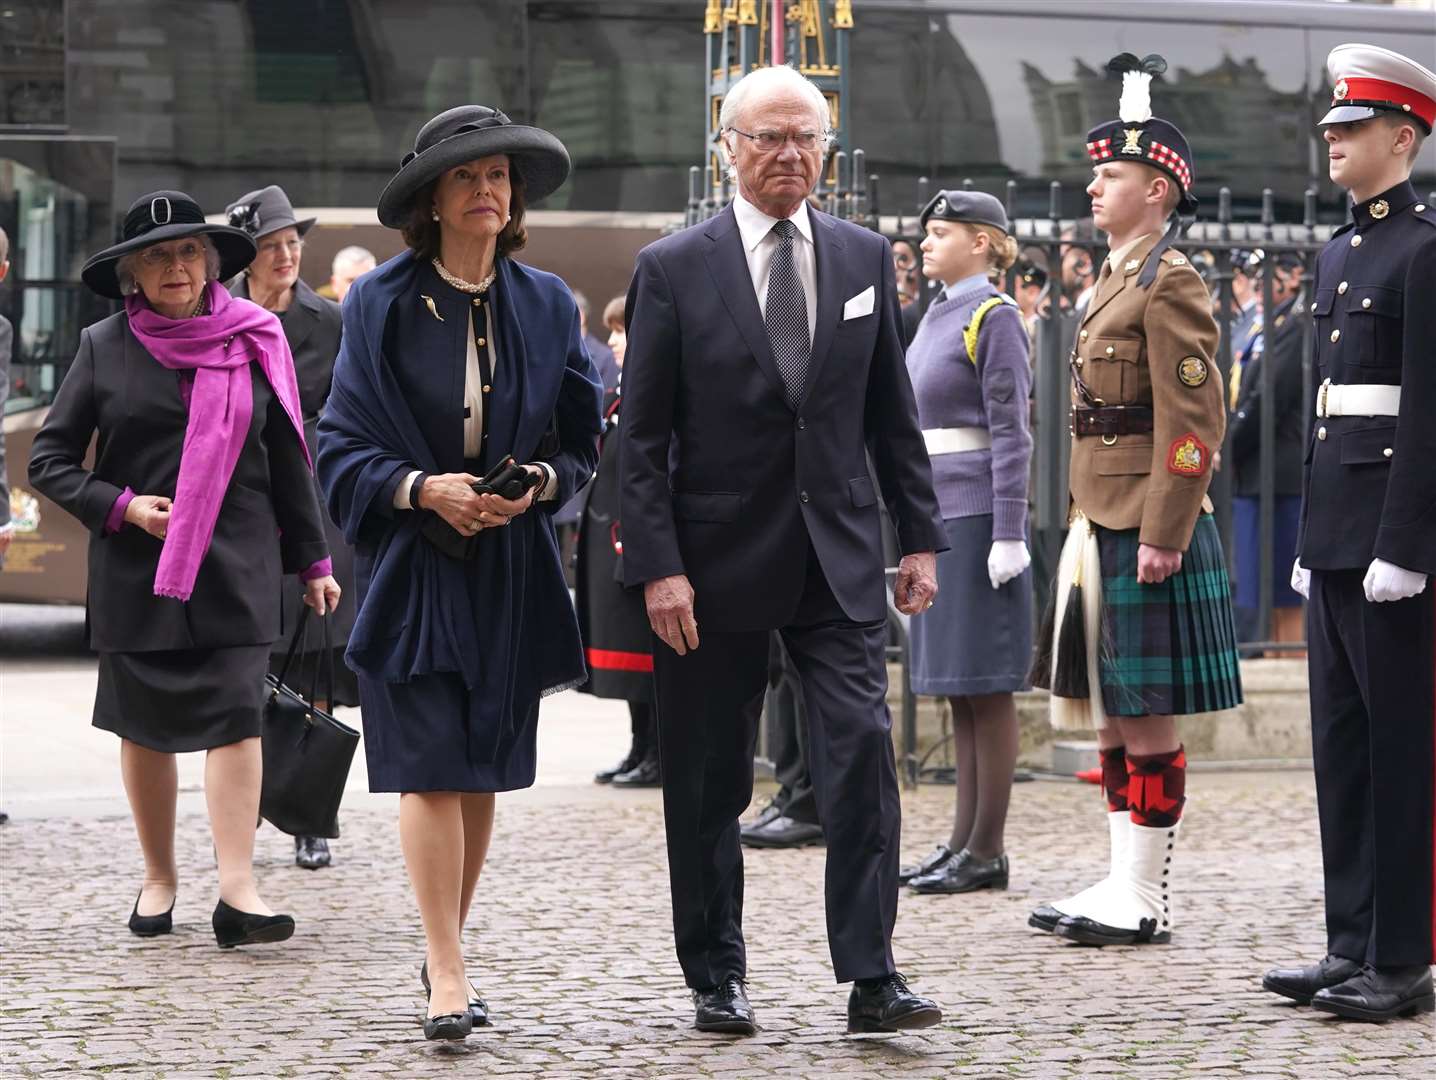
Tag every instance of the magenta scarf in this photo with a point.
(218, 348)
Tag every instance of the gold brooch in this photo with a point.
(429, 303)
(1379, 209)
(1339, 91)
(1133, 144)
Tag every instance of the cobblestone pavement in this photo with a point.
(570, 943)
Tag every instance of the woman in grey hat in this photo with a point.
(312, 327)
(199, 492)
(970, 375)
(457, 362)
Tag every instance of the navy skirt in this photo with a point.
(1246, 535)
(974, 639)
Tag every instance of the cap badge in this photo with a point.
(1339, 91)
(1379, 209)
(1133, 144)
(1192, 371)
(941, 207)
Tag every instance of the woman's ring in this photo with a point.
(475, 524)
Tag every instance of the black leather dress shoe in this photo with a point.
(939, 858)
(783, 832)
(478, 1007)
(607, 775)
(963, 874)
(151, 925)
(724, 1008)
(774, 809)
(234, 927)
(1379, 994)
(1045, 917)
(311, 852)
(645, 774)
(886, 1004)
(1300, 983)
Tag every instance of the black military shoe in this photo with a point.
(645, 774)
(724, 1008)
(1379, 994)
(1300, 983)
(311, 852)
(886, 1004)
(963, 874)
(768, 813)
(783, 832)
(631, 760)
(939, 858)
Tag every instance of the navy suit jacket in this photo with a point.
(727, 483)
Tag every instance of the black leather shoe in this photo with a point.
(1379, 994)
(783, 832)
(478, 1007)
(311, 852)
(939, 858)
(773, 810)
(724, 1008)
(1300, 983)
(1045, 917)
(645, 774)
(886, 1004)
(448, 1026)
(234, 927)
(963, 874)
(632, 758)
(151, 925)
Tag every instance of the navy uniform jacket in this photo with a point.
(1369, 489)
(721, 479)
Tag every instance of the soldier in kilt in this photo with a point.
(1141, 620)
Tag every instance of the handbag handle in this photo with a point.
(295, 641)
(326, 662)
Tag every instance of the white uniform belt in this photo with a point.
(1372, 400)
(956, 440)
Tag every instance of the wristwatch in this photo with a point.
(414, 490)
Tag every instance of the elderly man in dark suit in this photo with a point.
(764, 362)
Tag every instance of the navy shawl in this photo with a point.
(503, 621)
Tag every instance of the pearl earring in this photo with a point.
(434, 214)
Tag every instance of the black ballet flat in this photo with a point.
(151, 925)
(234, 927)
(478, 1007)
(453, 1026)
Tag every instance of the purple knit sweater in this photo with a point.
(952, 392)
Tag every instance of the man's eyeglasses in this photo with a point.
(769, 141)
(155, 257)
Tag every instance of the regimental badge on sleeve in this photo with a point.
(1188, 456)
(1192, 371)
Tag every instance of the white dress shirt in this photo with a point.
(760, 243)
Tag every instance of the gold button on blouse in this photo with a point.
(481, 342)
(1342, 288)
(487, 389)
(478, 301)
(1356, 241)
(1335, 336)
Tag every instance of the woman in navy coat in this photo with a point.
(454, 357)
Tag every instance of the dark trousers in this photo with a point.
(708, 708)
(1373, 700)
(788, 739)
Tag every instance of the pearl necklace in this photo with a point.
(202, 308)
(462, 285)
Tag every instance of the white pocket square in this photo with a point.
(860, 305)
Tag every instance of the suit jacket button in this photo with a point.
(1321, 433)
(802, 496)
(802, 423)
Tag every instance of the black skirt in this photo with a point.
(179, 700)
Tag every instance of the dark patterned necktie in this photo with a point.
(786, 317)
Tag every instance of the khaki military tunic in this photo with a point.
(1150, 347)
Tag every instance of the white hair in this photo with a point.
(125, 267)
(353, 254)
(759, 84)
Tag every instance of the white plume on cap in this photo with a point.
(1135, 105)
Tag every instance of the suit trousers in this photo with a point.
(1373, 701)
(709, 704)
(788, 738)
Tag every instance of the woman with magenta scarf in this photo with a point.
(200, 491)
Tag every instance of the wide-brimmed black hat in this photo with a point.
(156, 218)
(465, 134)
(267, 210)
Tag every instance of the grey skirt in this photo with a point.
(974, 639)
(179, 700)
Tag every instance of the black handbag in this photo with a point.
(307, 753)
(507, 479)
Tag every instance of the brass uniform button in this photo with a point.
(1083, 335)
(1356, 241)
(1421, 208)
(1321, 433)
(1335, 336)
(1366, 303)
(1388, 451)
(1111, 351)
(1080, 361)
(1342, 288)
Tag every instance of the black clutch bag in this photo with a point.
(507, 479)
(307, 753)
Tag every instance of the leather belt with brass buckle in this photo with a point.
(1112, 420)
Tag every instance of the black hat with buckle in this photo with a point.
(156, 218)
(267, 210)
(468, 133)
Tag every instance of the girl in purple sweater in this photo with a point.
(970, 373)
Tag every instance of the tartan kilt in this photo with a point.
(1169, 649)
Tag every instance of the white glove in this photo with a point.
(1386, 581)
(1006, 560)
(1301, 580)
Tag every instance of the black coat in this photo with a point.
(313, 326)
(1369, 489)
(1282, 349)
(750, 482)
(269, 524)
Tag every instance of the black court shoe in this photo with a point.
(478, 1007)
(311, 852)
(234, 927)
(452, 1026)
(151, 925)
